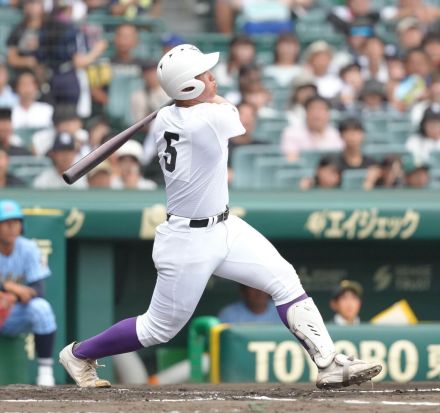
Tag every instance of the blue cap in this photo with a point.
(10, 209)
(172, 39)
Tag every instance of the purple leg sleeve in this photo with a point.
(119, 338)
(282, 309)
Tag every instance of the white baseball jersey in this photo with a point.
(192, 144)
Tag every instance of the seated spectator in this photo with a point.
(136, 8)
(151, 97)
(257, 16)
(123, 64)
(318, 57)
(100, 176)
(260, 97)
(169, 41)
(8, 98)
(428, 139)
(241, 53)
(303, 88)
(316, 134)
(425, 13)
(328, 175)
(7, 180)
(285, 67)
(342, 15)
(416, 173)
(352, 84)
(10, 142)
(28, 112)
(387, 174)
(248, 118)
(372, 99)
(352, 133)
(98, 128)
(63, 51)
(129, 158)
(65, 119)
(346, 303)
(247, 75)
(410, 34)
(373, 63)
(433, 100)
(412, 88)
(24, 40)
(62, 153)
(22, 275)
(431, 46)
(255, 306)
(396, 74)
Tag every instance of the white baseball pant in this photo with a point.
(185, 259)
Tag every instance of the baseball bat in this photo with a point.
(102, 152)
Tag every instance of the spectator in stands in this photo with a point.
(254, 306)
(151, 97)
(123, 64)
(28, 112)
(328, 175)
(7, 180)
(352, 133)
(426, 14)
(316, 134)
(410, 34)
(347, 302)
(433, 100)
(65, 119)
(23, 42)
(62, 153)
(285, 67)
(170, 40)
(387, 174)
(248, 117)
(129, 158)
(431, 46)
(247, 75)
(428, 139)
(257, 17)
(373, 63)
(258, 95)
(100, 176)
(342, 15)
(98, 128)
(318, 57)
(8, 98)
(63, 51)
(413, 87)
(416, 173)
(303, 88)
(136, 8)
(372, 99)
(241, 53)
(10, 142)
(352, 84)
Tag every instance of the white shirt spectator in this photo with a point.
(38, 115)
(51, 179)
(421, 147)
(8, 98)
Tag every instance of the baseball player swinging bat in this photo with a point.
(94, 158)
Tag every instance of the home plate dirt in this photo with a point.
(235, 398)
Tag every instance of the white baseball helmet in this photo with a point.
(178, 68)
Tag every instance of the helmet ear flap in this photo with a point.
(194, 88)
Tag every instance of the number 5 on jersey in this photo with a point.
(170, 160)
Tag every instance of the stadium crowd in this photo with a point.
(332, 93)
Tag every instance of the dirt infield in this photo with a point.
(236, 398)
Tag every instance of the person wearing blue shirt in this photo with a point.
(254, 306)
(22, 273)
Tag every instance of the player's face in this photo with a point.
(9, 231)
(210, 86)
